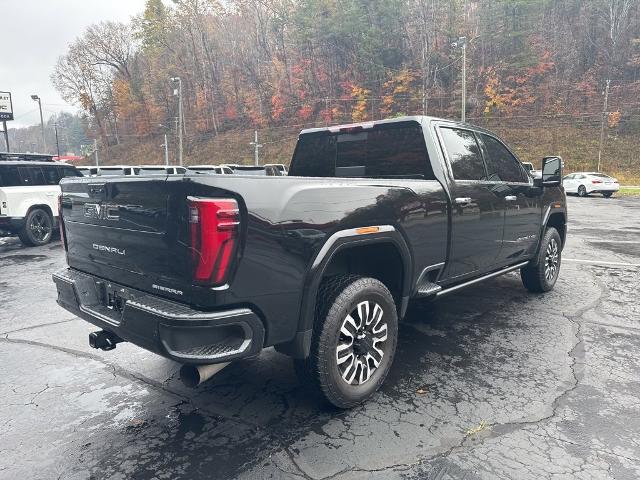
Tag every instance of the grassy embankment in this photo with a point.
(577, 146)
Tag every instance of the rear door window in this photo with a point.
(464, 154)
(388, 151)
(502, 166)
(9, 176)
(32, 175)
(51, 175)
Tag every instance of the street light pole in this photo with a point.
(166, 150)
(462, 43)
(36, 98)
(180, 116)
(464, 79)
(55, 127)
(6, 135)
(602, 121)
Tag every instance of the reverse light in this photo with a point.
(214, 225)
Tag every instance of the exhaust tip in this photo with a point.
(194, 375)
(190, 376)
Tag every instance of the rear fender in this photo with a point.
(344, 239)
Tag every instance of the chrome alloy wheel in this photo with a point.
(551, 260)
(361, 344)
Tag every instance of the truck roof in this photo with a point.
(411, 118)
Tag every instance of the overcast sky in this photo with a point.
(34, 34)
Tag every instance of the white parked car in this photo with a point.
(528, 166)
(159, 170)
(584, 183)
(114, 170)
(211, 169)
(283, 169)
(29, 194)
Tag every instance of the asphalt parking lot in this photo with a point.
(493, 382)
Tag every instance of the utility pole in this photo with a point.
(178, 80)
(166, 150)
(55, 127)
(6, 136)
(95, 149)
(602, 121)
(464, 79)
(462, 43)
(326, 109)
(257, 146)
(36, 98)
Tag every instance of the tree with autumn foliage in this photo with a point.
(283, 64)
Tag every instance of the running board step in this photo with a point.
(460, 286)
(428, 289)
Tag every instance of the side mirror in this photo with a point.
(551, 172)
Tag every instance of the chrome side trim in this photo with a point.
(351, 232)
(480, 279)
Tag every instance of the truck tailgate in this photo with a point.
(124, 230)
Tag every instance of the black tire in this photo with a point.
(339, 298)
(37, 229)
(607, 194)
(582, 191)
(541, 274)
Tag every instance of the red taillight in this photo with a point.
(63, 234)
(596, 181)
(214, 224)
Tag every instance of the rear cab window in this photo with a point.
(392, 150)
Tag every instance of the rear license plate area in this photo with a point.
(113, 297)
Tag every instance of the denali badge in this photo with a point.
(104, 248)
(101, 212)
(167, 289)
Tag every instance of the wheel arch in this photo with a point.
(46, 208)
(558, 220)
(345, 249)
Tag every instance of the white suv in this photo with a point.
(29, 199)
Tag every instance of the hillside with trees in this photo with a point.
(537, 71)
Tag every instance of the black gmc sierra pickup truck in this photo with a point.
(321, 263)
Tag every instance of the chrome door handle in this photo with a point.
(511, 198)
(463, 201)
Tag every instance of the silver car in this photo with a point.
(584, 183)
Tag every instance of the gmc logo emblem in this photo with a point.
(101, 212)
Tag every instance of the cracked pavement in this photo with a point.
(492, 382)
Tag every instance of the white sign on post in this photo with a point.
(6, 107)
